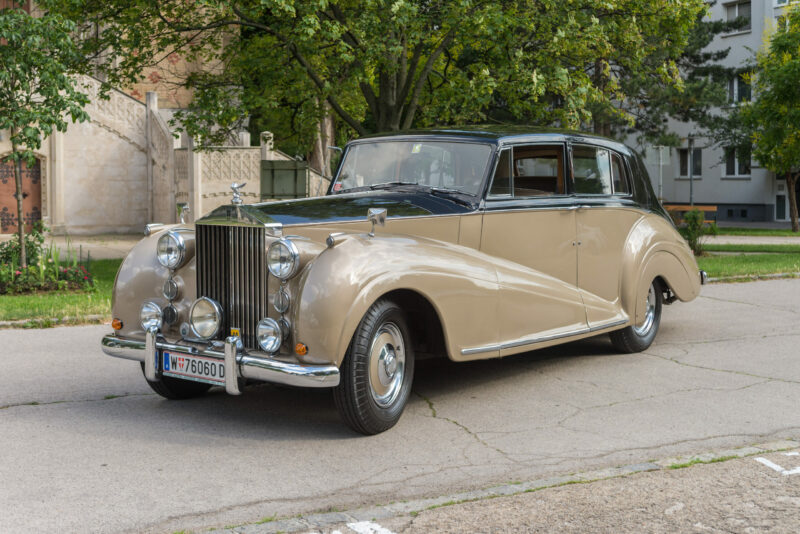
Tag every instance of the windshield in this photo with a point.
(438, 164)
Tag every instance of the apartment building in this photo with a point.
(739, 187)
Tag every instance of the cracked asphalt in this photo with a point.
(86, 447)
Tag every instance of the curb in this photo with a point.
(53, 321)
(321, 521)
(752, 277)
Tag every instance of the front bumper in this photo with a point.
(238, 362)
(703, 277)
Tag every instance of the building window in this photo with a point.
(738, 89)
(737, 162)
(739, 10)
(697, 162)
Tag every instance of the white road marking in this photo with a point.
(677, 507)
(779, 469)
(367, 527)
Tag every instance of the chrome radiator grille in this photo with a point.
(232, 269)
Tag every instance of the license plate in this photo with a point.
(198, 368)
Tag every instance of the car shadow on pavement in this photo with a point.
(442, 376)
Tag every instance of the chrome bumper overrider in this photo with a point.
(703, 277)
(238, 363)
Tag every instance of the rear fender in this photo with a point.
(654, 249)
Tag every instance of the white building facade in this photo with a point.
(739, 187)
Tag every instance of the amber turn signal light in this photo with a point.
(116, 324)
(301, 349)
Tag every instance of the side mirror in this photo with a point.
(376, 216)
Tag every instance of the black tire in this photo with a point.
(370, 396)
(177, 389)
(636, 338)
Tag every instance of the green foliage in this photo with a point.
(392, 64)
(693, 229)
(37, 90)
(46, 271)
(34, 240)
(772, 118)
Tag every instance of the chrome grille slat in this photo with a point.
(231, 269)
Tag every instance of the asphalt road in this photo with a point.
(85, 446)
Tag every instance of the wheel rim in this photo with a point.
(387, 362)
(650, 313)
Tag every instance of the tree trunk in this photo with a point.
(23, 254)
(791, 184)
(320, 158)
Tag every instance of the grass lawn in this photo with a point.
(58, 305)
(757, 231)
(787, 249)
(724, 266)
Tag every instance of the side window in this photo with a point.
(592, 170)
(501, 182)
(538, 170)
(529, 171)
(621, 186)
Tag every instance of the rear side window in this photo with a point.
(592, 170)
(621, 186)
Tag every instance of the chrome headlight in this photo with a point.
(150, 315)
(205, 318)
(283, 259)
(269, 335)
(171, 250)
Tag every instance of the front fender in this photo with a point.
(338, 288)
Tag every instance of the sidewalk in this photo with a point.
(101, 247)
(751, 240)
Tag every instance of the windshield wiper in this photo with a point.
(389, 185)
(452, 194)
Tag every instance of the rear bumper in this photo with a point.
(238, 362)
(703, 277)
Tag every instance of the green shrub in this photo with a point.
(45, 272)
(693, 229)
(34, 245)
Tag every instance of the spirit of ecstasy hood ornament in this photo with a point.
(237, 199)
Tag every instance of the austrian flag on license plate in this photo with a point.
(199, 368)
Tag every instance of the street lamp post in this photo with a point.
(691, 168)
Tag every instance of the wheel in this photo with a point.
(377, 371)
(639, 337)
(177, 389)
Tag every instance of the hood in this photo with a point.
(334, 208)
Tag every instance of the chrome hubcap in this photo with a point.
(650, 313)
(387, 359)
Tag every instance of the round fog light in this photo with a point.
(170, 289)
(205, 318)
(150, 315)
(269, 335)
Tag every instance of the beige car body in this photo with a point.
(480, 283)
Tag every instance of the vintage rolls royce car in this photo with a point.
(463, 243)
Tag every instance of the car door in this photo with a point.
(605, 215)
(529, 226)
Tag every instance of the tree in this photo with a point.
(37, 93)
(389, 65)
(772, 118)
(703, 91)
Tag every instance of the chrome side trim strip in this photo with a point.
(247, 365)
(541, 339)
